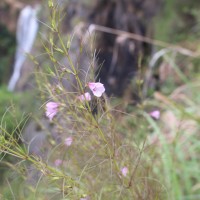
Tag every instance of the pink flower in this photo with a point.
(124, 171)
(85, 198)
(68, 141)
(97, 88)
(58, 162)
(51, 110)
(155, 114)
(85, 97)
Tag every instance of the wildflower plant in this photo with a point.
(93, 151)
(86, 157)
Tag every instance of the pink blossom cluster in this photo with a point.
(97, 89)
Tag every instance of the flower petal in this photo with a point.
(58, 162)
(124, 171)
(97, 88)
(85, 97)
(155, 114)
(52, 105)
(51, 110)
(51, 114)
(68, 141)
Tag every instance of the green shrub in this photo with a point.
(12, 108)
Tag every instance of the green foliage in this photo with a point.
(7, 49)
(14, 107)
(178, 21)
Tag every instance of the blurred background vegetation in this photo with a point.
(177, 22)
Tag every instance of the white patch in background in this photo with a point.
(27, 29)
